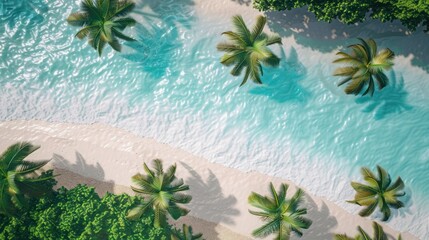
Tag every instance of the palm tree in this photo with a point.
(378, 192)
(103, 21)
(365, 66)
(378, 234)
(249, 49)
(18, 180)
(185, 234)
(162, 192)
(282, 215)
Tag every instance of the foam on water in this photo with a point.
(170, 86)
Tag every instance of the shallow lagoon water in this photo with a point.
(170, 86)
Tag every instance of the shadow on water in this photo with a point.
(326, 37)
(282, 84)
(80, 172)
(392, 99)
(323, 222)
(159, 44)
(17, 12)
(154, 49)
(210, 202)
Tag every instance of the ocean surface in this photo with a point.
(170, 86)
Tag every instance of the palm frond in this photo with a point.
(236, 71)
(370, 88)
(235, 37)
(259, 27)
(373, 47)
(383, 59)
(272, 61)
(273, 39)
(345, 71)
(384, 177)
(78, 19)
(115, 45)
(176, 212)
(267, 229)
(382, 80)
(181, 198)
(15, 154)
(368, 210)
(241, 28)
(136, 212)
(356, 85)
(246, 76)
(122, 23)
(342, 237)
(122, 36)
(124, 8)
(28, 167)
(228, 47)
(261, 202)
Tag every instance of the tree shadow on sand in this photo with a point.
(80, 172)
(20, 12)
(392, 99)
(323, 221)
(282, 84)
(326, 37)
(243, 2)
(210, 202)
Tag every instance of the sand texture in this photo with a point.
(107, 157)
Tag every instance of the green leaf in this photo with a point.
(259, 27)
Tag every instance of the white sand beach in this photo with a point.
(107, 157)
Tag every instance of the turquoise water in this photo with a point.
(170, 86)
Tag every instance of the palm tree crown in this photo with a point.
(283, 215)
(249, 49)
(103, 21)
(18, 180)
(185, 234)
(378, 192)
(162, 192)
(365, 66)
(378, 234)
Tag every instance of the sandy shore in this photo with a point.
(107, 157)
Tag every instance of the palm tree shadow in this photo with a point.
(154, 49)
(323, 221)
(326, 37)
(16, 12)
(243, 2)
(167, 12)
(282, 84)
(80, 172)
(160, 44)
(221, 207)
(392, 99)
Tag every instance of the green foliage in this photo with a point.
(185, 234)
(103, 21)
(283, 215)
(162, 190)
(79, 213)
(365, 66)
(378, 234)
(379, 192)
(248, 50)
(411, 13)
(18, 179)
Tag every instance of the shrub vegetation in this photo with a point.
(79, 213)
(410, 13)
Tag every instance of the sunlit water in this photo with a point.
(170, 86)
